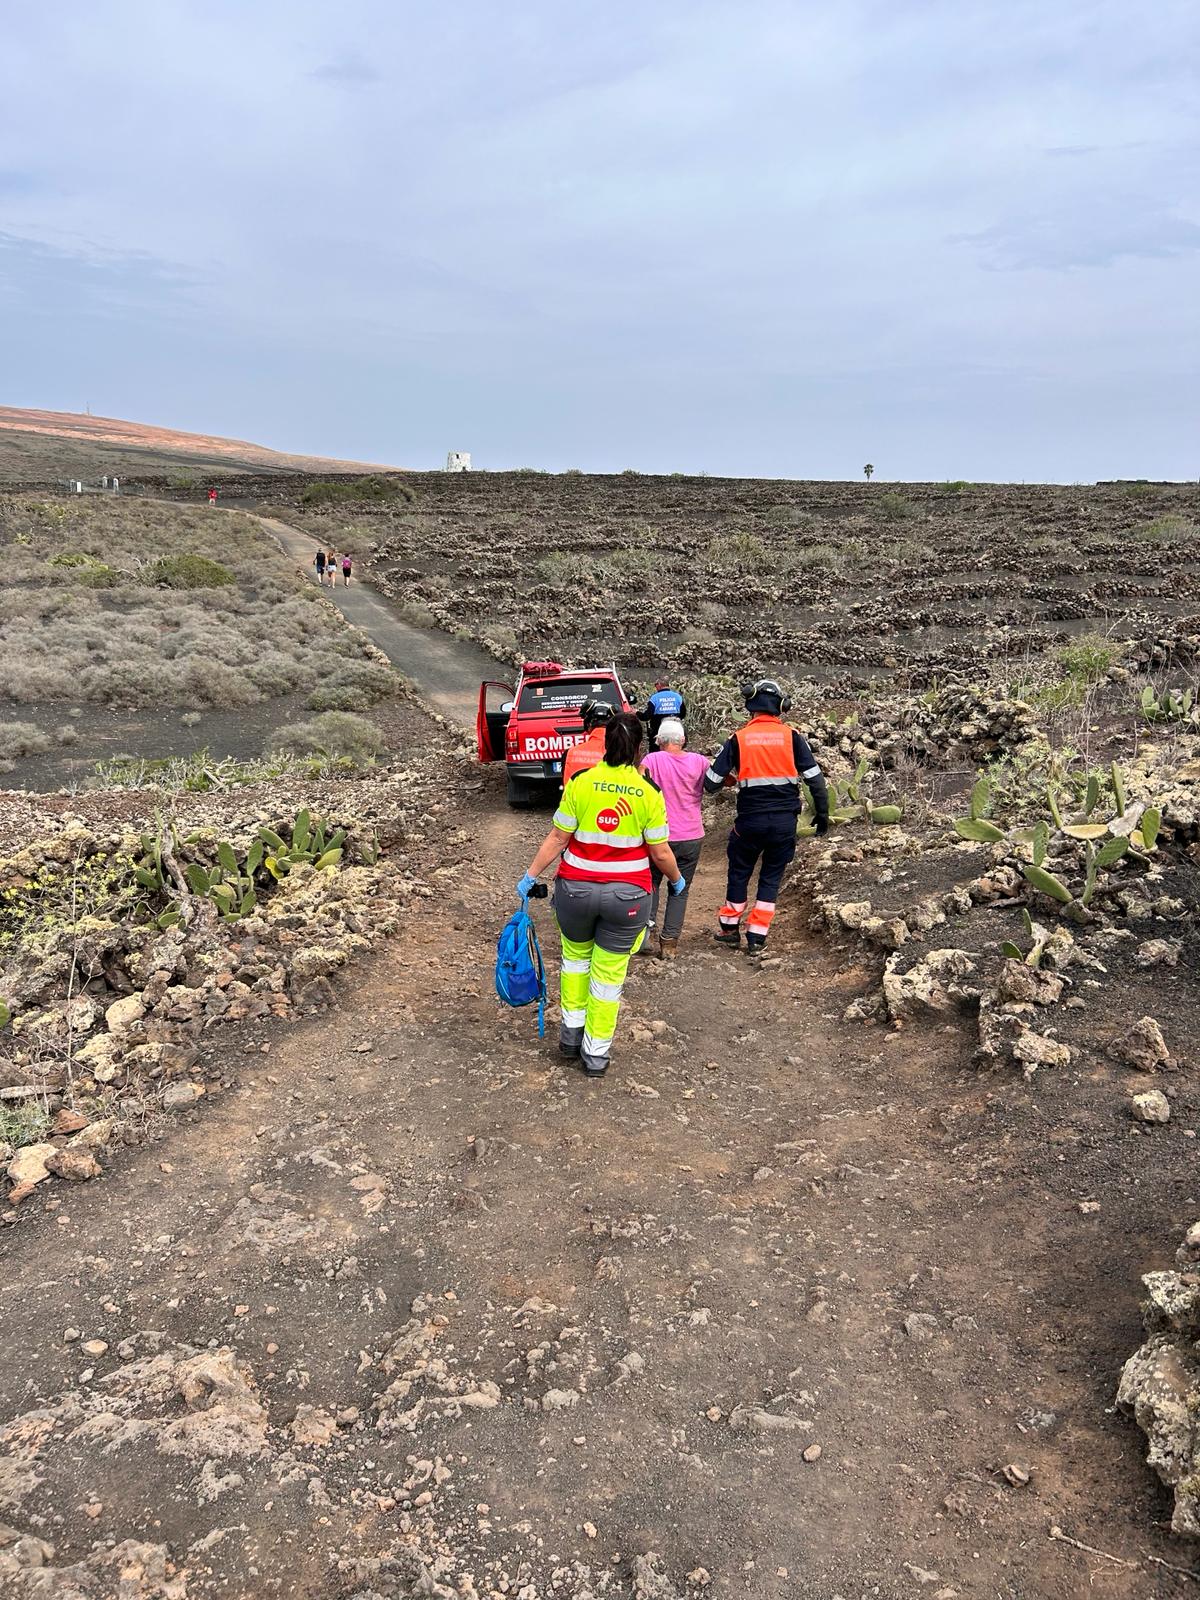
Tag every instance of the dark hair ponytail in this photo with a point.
(623, 741)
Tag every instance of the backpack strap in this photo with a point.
(541, 967)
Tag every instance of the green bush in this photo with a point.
(367, 490)
(894, 507)
(19, 739)
(188, 572)
(26, 1122)
(737, 550)
(333, 733)
(1088, 658)
(353, 686)
(72, 558)
(1169, 529)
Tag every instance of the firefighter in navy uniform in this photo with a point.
(769, 761)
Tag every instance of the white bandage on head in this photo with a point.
(670, 731)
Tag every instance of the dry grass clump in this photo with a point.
(129, 603)
(19, 739)
(333, 733)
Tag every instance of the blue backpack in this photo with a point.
(520, 974)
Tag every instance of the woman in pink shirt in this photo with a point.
(679, 773)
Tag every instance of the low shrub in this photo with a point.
(369, 489)
(737, 550)
(1088, 658)
(353, 686)
(189, 719)
(66, 734)
(26, 1122)
(333, 733)
(893, 507)
(1169, 529)
(188, 572)
(19, 739)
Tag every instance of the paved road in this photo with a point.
(446, 671)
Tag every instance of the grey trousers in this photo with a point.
(687, 855)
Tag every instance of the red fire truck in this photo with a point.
(530, 727)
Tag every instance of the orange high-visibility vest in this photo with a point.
(765, 753)
(586, 754)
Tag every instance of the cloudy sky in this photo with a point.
(957, 238)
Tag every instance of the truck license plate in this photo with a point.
(556, 766)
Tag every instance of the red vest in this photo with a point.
(588, 753)
(765, 753)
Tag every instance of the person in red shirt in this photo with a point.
(212, 497)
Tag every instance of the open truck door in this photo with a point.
(495, 705)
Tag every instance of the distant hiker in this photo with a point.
(346, 565)
(595, 716)
(769, 761)
(664, 702)
(680, 774)
(212, 497)
(610, 824)
(319, 564)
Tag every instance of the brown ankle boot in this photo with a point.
(651, 945)
(669, 949)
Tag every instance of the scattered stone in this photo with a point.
(921, 1575)
(312, 1427)
(28, 1166)
(181, 1096)
(1141, 1046)
(1151, 1106)
(95, 1348)
(1039, 1050)
(124, 1014)
(78, 1166)
(560, 1399)
(1017, 1475)
(756, 1420)
(935, 983)
(67, 1121)
(812, 1453)
(1158, 953)
(920, 1325)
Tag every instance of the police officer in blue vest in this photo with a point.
(664, 702)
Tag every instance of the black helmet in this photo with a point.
(766, 695)
(595, 713)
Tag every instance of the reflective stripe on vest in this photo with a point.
(765, 754)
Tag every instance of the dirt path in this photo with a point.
(446, 671)
(412, 1308)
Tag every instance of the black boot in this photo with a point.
(756, 943)
(730, 936)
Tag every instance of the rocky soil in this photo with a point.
(825, 1291)
(840, 586)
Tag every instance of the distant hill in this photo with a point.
(38, 446)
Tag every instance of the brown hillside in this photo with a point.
(40, 445)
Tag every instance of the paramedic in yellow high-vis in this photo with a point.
(610, 825)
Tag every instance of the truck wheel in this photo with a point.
(520, 791)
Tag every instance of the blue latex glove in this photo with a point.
(526, 884)
(679, 885)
